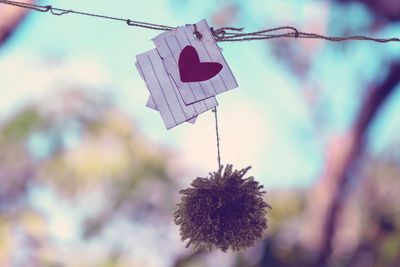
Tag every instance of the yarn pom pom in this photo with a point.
(222, 211)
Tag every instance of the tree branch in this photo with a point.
(11, 17)
(366, 116)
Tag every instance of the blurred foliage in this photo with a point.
(106, 156)
(384, 10)
(78, 155)
(20, 127)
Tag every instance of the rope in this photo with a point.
(218, 139)
(59, 12)
(222, 35)
(225, 34)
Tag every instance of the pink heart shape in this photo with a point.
(192, 70)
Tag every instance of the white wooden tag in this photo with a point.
(164, 95)
(170, 44)
(150, 102)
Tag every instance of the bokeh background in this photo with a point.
(90, 177)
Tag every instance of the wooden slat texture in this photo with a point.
(164, 95)
(169, 49)
(214, 52)
(170, 44)
(150, 102)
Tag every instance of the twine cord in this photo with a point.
(60, 11)
(217, 135)
(224, 34)
(229, 34)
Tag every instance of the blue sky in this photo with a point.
(277, 133)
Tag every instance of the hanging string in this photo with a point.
(225, 34)
(59, 12)
(218, 139)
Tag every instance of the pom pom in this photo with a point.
(222, 211)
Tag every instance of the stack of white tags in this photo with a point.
(184, 73)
